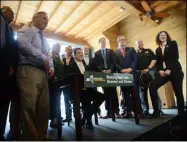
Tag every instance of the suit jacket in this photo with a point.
(70, 62)
(171, 57)
(128, 61)
(110, 57)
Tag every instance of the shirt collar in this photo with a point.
(78, 62)
(103, 48)
(86, 56)
(35, 29)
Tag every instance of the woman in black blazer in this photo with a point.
(169, 69)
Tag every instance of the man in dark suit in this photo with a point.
(105, 62)
(127, 63)
(8, 61)
(68, 59)
(88, 94)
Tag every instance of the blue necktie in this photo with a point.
(104, 58)
(42, 42)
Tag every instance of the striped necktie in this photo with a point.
(43, 48)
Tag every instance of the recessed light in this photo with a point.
(122, 9)
(157, 20)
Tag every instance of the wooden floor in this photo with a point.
(122, 129)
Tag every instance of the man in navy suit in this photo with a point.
(127, 63)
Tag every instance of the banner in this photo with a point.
(99, 79)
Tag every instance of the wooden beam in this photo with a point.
(54, 11)
(39, 6)
(132, 9)
(86, 29)
(163, 7)
(67, 17)
(19, 6)
(108, 25)
(83, 17)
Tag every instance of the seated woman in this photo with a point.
(169, 69)
(87, 94)
(55, 91)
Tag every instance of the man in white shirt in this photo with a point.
(35, 67)
(86, 55)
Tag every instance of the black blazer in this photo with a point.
(128, 61)
(111, 60)
(171, 57)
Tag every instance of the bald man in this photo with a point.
(35, 67)
(146, 65)
(8, 62)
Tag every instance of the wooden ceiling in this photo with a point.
(80, 20)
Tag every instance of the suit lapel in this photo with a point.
(166, 49)
(120, 54)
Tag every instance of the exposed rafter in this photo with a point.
(85, 30)
(108, 25)
(61, 24)
(39, 6)
(54, 11)
(19, 6)
(83, 17)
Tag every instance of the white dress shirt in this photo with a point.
(86, 59)
(81, 66)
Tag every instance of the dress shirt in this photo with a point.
(81, 66)
(30, 47)
(86, 59)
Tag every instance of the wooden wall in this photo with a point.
(175, 24)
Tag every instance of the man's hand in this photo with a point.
(145, 70)
(162, 73)
(108, 71)
(129, 70)
(123, 71)
(51, 72)
(11, 71)
(105, 71)
(167, 72)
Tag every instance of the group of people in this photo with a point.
(29, 71)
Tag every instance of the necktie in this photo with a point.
(104, 58)
(123, 52)
(42, 42)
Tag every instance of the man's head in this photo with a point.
(69, 51)
(102, 42)
(121, 40)
(56, 50)
(78, 54)
(86, 50)
(139, 44)
(8, 13)
(40, 20)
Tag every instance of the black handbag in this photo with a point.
(145, 79)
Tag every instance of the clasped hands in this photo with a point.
(128, 70)
(107, 71)
(164, 73)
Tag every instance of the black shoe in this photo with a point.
(107, 116)
(155, 114)
(12, 136)
(128, 115)
(89, 125)
(2, 138)
(146, 113)
(55, 123)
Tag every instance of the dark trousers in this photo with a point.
(176, 79)
(15, 117)
(90, 95)
(126, 92)
(55, 106)
(111, 95)
(67, 97)
(4, 105)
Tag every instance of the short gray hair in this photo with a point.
(37, 14)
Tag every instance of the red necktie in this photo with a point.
(123, 51)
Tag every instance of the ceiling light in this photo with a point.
(157, 20)
(122, 9)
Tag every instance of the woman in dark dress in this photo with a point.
(169, 69)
